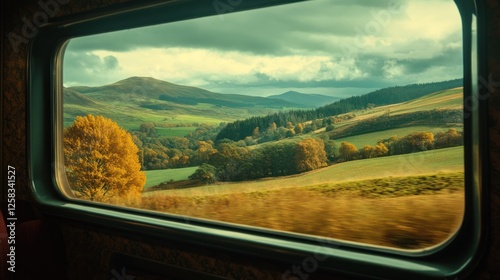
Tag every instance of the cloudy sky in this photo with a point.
(332, 47)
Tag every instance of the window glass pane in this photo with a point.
(340, 119)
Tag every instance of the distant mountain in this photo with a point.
(136, 100)
(154, 94)
(310, 100)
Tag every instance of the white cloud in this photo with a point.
(391, 69)
(200, 67)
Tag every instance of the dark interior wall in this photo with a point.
(89, 250)
(490, 268)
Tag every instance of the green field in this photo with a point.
(447, 99)
(428, 162)
(372, 138)
(131, 117)
(155, 177)
(407, 210)
(175, 131)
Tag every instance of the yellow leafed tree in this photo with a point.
(310, 155)
(101, 160)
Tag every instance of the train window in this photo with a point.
(341, 135)
(323, 118)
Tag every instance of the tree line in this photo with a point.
(227, 162)
(241, 129)
(394, 145)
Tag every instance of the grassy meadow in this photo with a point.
(407, 201)
(155, 177)
(408, 213)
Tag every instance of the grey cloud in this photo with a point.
(87, 68)
(302, 28)
(275, 30)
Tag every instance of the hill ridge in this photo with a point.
(240, 129)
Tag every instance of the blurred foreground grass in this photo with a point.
(409, 212)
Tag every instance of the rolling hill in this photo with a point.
(136, 100)
(311, 100)
(242, 128)
(145, 89)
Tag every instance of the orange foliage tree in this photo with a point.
(101, 160)
(348, 151)
(310, 155)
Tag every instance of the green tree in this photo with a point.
(101, 160)
(149, 129)
(331, 150)
(329, 127)
(228, 161)
(206, 174)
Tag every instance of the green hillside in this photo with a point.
(242, 128)
(155, 177)
(136, 100)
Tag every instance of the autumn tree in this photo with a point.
(347, 151)
(366, 151)
(204, 152)
(450, 138)
(420, 141)
(299, 128)
(255, 133)
(101, 160)
(289, 133)
(380, 150)
(310, 155)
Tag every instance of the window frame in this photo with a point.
(456, 257)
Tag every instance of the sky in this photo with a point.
(333, 47)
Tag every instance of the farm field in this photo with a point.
(446, 99)
(155, 177)
(409, 212)
(372, 138)
(413, 200)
